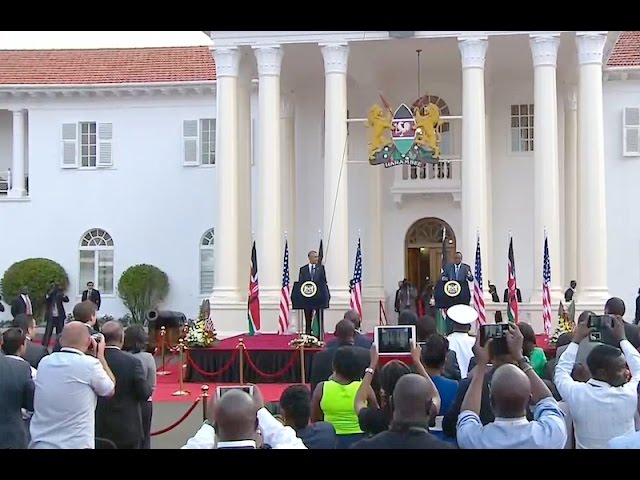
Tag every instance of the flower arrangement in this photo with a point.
(200, 333)
(306, 341)
(566, 322)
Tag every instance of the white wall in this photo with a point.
(155, 209)
(623, 196)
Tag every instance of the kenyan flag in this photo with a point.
(253, 303)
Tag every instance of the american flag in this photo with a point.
(478, 299)
(356, 283)
(546, 296)
(285, 294)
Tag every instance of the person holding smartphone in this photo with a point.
(605, 406)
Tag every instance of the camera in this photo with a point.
(598, 323)
(97, 337)
(498, 333)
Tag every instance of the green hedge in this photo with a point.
(141, 288)
(36, 274)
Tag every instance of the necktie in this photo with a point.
(313, 272)
(457, 269)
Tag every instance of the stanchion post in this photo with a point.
(303, 373)
(241, 360)
(181, 392)
(205, 400)
(162, 345)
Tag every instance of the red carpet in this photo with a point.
(167, 384)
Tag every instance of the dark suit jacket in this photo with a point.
(119, 418)
(16, 393)
(464, 272)
(359, 340)
(322, 364)
(58, 300)
(57, 346)
(320, 277)
(320, 435)
(95, 297)
(18, 306)
(35, 352)
(403, 440)
(505, 297)
(637, 319)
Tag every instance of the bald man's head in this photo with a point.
(236, 417)
(75, 335)
(113, 332)
(510, 392)
(411, 402)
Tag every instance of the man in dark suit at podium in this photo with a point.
(457, 270)
(314, 273)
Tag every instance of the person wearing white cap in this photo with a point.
(460, 341)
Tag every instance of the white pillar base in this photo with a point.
(17, 193)
(227, 297)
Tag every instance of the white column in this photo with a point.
(17, 165)
(336, 216)
(227, 288)
(269, 238)
(287, 140)
(474, 154)
(592, 222)
(544, 49)
(372, 243)
(571, 185)
(244, 171)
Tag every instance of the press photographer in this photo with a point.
(54, 314)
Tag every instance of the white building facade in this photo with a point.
(182, 167)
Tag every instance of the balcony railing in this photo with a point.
(5, 182)
(443, 177)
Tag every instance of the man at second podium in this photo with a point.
(457, 270)
(314, 273)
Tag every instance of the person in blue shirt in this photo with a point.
(434, 353)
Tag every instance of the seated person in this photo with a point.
(333, 399)
(295, 406)
(238, 421)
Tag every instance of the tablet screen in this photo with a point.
(395, 339)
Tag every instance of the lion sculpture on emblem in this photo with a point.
(427, 126)
(380, 124)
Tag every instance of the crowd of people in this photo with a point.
(454, 391)
(510, 395)
(93, 389)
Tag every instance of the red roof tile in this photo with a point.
(626, 51)
(104, 66)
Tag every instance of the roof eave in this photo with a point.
(89, 86)
(622, 68)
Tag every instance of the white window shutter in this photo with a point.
(190, 142)
(69, 154)
(631, 132)
(105, 137)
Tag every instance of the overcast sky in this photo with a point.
(53, 40)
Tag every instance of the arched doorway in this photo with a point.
(423, 250)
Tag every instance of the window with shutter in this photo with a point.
(631, 132)
(69, 145)
(105, 137)
(88, 144)
(190, 142)
(208, 141)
